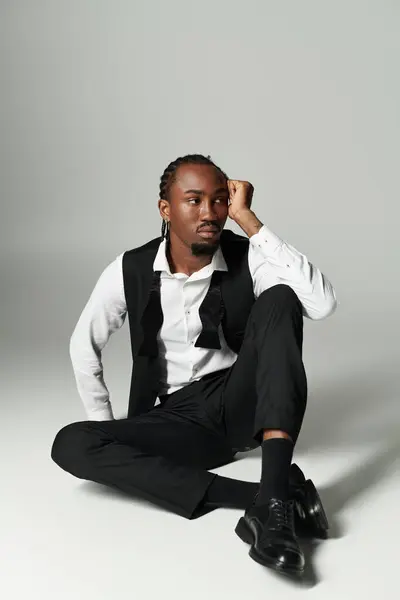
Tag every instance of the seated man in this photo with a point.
(216, 329)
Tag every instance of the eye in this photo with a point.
(221, 199)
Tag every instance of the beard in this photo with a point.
(199, 249)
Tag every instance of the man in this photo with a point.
(216, 327)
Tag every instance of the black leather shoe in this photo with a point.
(270, 531)
(309, 515)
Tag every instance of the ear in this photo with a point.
(163, 206)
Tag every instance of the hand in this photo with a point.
(240, 196)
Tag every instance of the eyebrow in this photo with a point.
(218, 191)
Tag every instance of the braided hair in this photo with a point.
(169, 176)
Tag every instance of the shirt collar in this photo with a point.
(218, 262)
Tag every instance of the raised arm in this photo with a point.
(103, 314)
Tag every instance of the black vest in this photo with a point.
(236, 287)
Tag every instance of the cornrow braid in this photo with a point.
(169, 175)
(165, 230)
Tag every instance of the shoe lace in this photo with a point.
(282, 512)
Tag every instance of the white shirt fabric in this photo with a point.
(271, 261)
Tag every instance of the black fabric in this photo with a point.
(164, 455)
(211, 312)
(277, 456)
(230, 493)
(152, 319)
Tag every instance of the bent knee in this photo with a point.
(282, 294)
(280, 289)
(70, 447)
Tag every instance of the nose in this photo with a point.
(207, 211)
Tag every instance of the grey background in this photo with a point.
(300, 98)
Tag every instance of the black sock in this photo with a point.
(232, 493)
(277, 456)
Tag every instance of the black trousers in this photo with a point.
(164, 455)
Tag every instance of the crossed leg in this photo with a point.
(160, 456)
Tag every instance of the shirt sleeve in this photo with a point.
(273, 261)
(104, 313)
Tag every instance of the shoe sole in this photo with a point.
(247, 536)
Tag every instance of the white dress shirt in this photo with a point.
(271, 261)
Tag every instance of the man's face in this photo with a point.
(198, 202)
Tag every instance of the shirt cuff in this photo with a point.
(266, 240)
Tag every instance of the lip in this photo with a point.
(208, 233)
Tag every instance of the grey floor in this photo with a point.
(66, 538)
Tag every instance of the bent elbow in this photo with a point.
(330, 309)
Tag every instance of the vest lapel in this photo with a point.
(152, 319)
